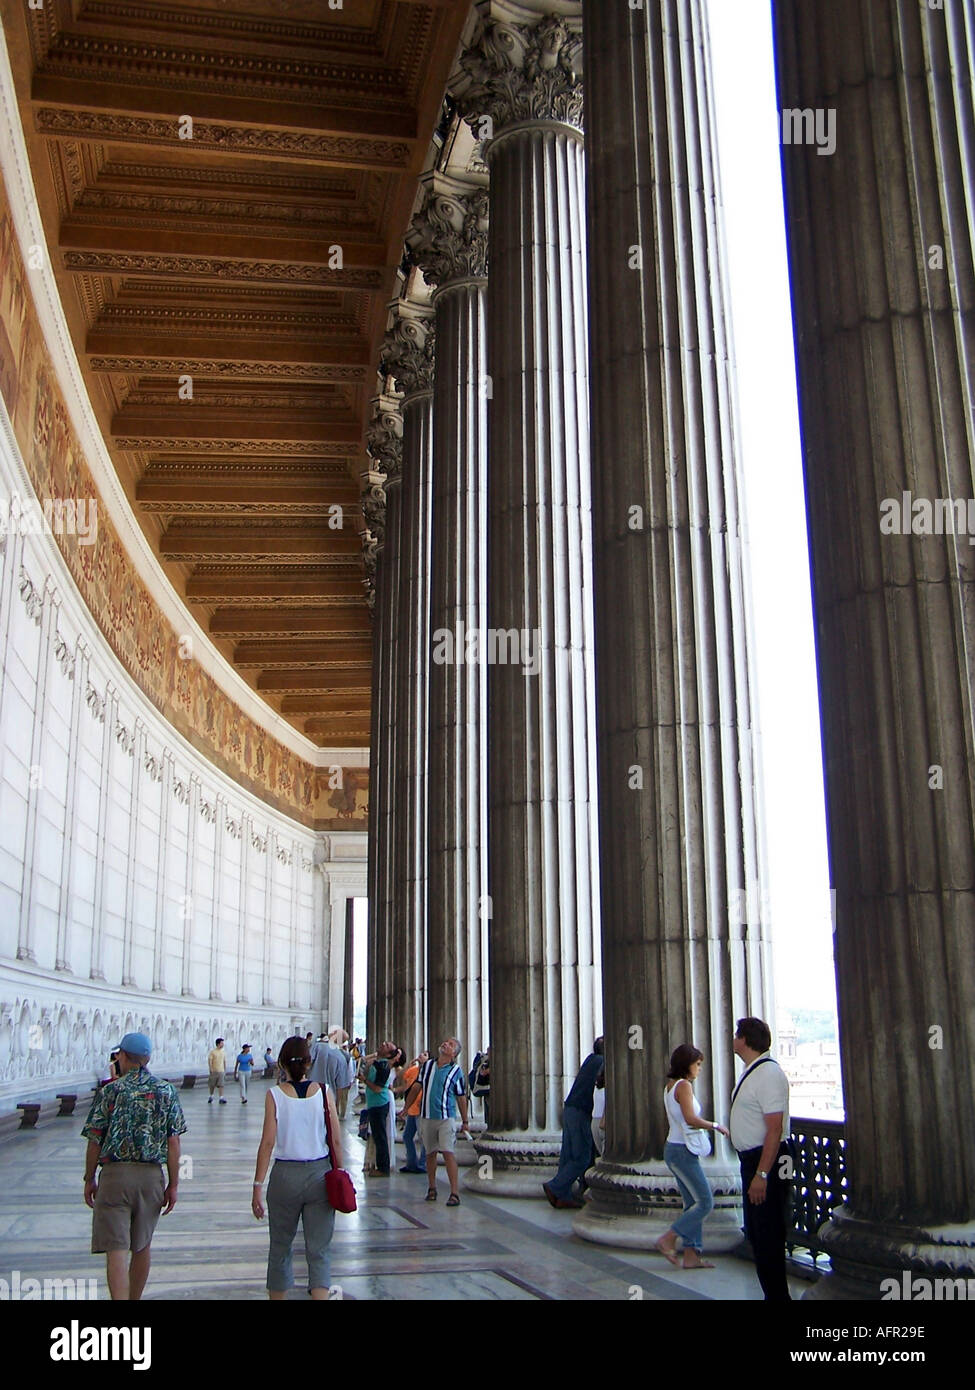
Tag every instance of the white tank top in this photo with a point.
(676, 1116)
(301, 1127)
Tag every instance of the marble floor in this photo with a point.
(396, 1246)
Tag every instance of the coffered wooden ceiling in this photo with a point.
(212, 258)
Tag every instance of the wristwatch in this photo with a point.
(760, 1174)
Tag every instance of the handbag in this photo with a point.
(696, 1141)
(339, 1187)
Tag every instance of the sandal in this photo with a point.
(670, 1255)
(453, 1200)
(431, 1194)
(701, 1264)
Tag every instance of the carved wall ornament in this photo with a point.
(291, 144)
(283, 855)
(153, 766)
(95, 702)
(181, 791)
(64, 656)
(233, 828)
(33, 600)
(449, 235)
(521, 72)
(208, 812)
(214, 268)
(259, 842)
(125, 738)
(408, 354)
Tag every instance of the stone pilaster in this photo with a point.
(79, 676)
(43, 608)
(243, 893)
(522, 72)
(684, 945)
(105, 709)
(409, 358)
(218, 815)
(162, 772)
(384, 441)
(879, 192)
(449, 242)
(188, 906)
(134, 744)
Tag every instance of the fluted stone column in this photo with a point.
(449, 241)
(522, 71)
(385, 445)
(409, 357)
(879, 211)
(685, 949)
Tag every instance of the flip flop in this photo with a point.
(670, 1255)
(704, 1264)
(431, 1194)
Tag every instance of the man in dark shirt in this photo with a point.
(577, 1150)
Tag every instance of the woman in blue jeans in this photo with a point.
(687, 1143)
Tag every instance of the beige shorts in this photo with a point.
(128, 1204)
(215, 1081)
(437, 1136)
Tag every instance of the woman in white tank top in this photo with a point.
(294, 1129)
(686, 1144)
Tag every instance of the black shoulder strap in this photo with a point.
(754, 1067)
(301, 1087)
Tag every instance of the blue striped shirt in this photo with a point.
(441, 1086)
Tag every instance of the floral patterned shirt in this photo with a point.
(133, 1118)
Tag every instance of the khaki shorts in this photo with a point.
(128, 1203)
(437, 1136)
(215, 1081)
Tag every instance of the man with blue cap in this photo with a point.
(133, 1127)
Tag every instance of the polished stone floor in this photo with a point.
(397, 1246)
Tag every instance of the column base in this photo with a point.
(519, 1163)
(888, 1261)
(631, 1205)
(25, 953)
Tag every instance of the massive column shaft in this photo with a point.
(409, 359)
(525, 77)
(684, 946)
(879, 191)
(449, 238)
(385, 444)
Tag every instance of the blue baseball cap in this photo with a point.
(136, 1045)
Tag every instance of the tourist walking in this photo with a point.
(687, 1143)
(217, 1069)
(442, 1090)
(295, 1131)
(480, 1082)
(242, 1070)
(759, 1122)
(577, 1147)
(133, 1128)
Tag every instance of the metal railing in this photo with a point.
(819, 1180)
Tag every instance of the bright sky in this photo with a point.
(748, 141)
(748, 146)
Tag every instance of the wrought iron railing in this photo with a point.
(819, 1180)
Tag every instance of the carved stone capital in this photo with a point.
(449, 235)
(517, 70)
(384, 440)
(373, 503)
(408, 354)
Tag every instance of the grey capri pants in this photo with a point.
(298, 1189)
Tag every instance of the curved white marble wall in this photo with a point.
(139, 886)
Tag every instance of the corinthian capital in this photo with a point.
(408, 353)
(449, 235)
(373, 502)
(520, 68)
(384, 439)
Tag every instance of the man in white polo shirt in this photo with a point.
(759, 1124)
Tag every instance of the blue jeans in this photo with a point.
(695, 1190)
(576, 1154)
(411, 1159)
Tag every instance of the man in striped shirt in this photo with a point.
(444, 1090)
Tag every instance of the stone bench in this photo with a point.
(189, 1080)
(10, 1124)
(35, 1112)
(69, 1099)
